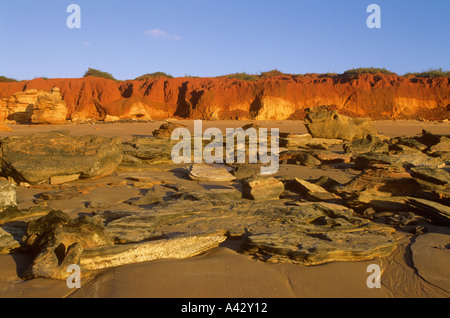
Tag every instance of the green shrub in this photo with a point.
(368, 70)
(4, 79)
(274, 72)
(154, 75)
(96, 73)
(243, 77)
(431, 73)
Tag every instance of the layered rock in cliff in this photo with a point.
(377, 96)
(49, 108)
(33, 106)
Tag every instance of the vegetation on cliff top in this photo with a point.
(431, 73)
(4, 79)
(96, 73)
(153, 75)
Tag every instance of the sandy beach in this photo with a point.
(224, 272)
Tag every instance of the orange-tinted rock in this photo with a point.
(376, 96)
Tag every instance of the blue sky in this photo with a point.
(212, 37)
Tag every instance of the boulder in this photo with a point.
(39, 157)
(166, 130)
(299, 157)
(261, 188)
(58, 241)
(377, 160)
(324, 123)
(370, 143)
(316, 193)
(49, 108)
(147, 150)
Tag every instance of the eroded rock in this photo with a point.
(324, 123)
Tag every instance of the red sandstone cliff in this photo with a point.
(274, 98)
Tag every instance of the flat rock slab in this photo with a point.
(176, 248)
(431, 257)
(435, 211)
(261, 188)
(205, 172)
(274, 232)
(39, 157)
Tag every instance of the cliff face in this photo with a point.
(274, 98)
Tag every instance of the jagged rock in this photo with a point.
(323, 123)
(325, 182)
(245, 171)
(439, 213)
(329, 157)
(58, 241)
(299, 157)
(7, 194)
(369, 143)
(316, 193)
(63, 194)
(147, 150)
(388, 181)
(98, 205)
(379, 202)
(419, 160)
(167, 129)
(38, 157)
(436, 176)
(260, 188)
(374, 160)
(205, 172)
(14, 214)
(49, 108)
(154, 195)
(306, 141)
(7, 242)
(412, 143)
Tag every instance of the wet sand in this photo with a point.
(222, 272)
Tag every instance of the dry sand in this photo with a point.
(223, 272)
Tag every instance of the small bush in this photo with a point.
(274, 72)
(431, 73)
(154, 75)
(96, 73)
(368, 70)
(4, 79)
(243, 77)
